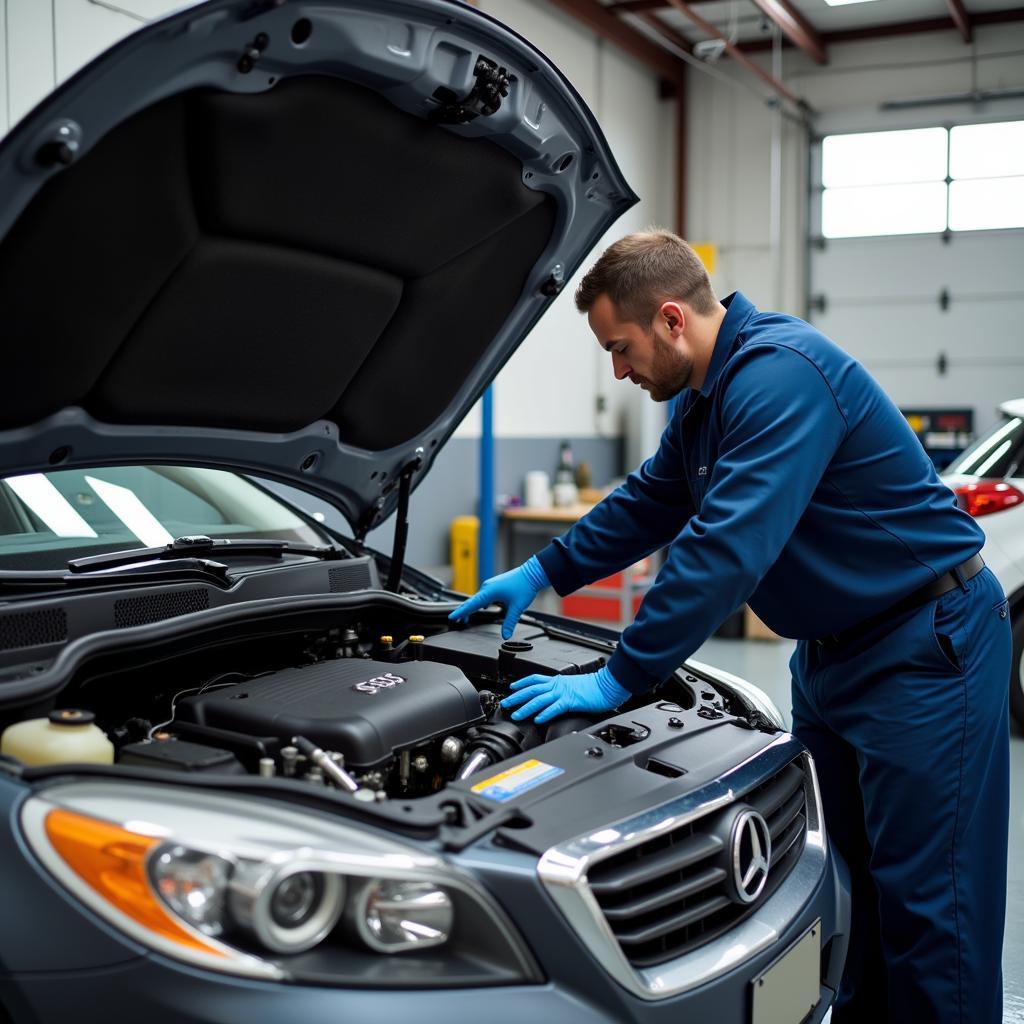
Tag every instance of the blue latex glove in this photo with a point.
(556, 695)
(515, 589)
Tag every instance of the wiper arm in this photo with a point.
(199, 547)
(173, 570)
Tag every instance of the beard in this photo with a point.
(670, 371)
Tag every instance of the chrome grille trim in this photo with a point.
(563, 873)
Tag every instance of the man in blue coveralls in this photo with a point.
(787, 479)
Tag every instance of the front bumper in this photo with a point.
(60, 963)
(157, 990)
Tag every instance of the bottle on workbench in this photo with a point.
(565, 491)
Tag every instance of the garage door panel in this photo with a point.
(873, 266)
(983, 262)
(967, 330)
(880, 300)
(917, 389)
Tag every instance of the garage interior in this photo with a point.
(857, 163)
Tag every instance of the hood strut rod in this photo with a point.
(402, 521)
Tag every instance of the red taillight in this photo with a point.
(985, 496)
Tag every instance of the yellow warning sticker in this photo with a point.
(517, 780)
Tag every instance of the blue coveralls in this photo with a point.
(792, 482)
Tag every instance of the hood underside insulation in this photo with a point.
(264, 261)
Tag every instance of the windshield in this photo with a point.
(48, 518)
(999, 453)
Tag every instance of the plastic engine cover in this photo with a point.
(367, 710)
(475, 651)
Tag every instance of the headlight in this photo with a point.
(257, 888)
(391, 916)
(192, 884)
(287, 911)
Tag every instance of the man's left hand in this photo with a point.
(556, 695)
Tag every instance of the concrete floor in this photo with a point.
(766, 663)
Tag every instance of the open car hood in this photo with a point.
(297, 239)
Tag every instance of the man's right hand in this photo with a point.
(515, 590)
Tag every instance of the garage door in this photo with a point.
(938, 318)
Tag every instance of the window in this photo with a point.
(986, 168)
(967, 178)
(48, 518)
(998, 453)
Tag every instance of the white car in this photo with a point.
(988, 480)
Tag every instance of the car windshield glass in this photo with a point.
(48, 518)
(998, 453)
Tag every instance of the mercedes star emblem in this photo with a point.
(751, 855)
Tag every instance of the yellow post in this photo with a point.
(465, 543)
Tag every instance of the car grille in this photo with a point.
(671, 894)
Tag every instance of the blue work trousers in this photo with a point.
(909, 729)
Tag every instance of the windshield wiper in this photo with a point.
(173, 570)
(199, 547)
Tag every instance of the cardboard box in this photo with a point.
(754, 628)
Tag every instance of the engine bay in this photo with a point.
(376, 714)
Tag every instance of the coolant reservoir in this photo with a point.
(64, 736)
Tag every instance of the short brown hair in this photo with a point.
(643, 270)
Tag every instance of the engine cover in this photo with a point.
(367, 710)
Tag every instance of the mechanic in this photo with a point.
(786, 478)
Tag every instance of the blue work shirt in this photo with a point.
(790, 481)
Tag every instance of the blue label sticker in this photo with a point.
(515, 781)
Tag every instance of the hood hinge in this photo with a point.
(492, 84)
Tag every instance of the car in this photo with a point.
(250, 770)
(988, 480)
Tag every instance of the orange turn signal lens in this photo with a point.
(112, 861)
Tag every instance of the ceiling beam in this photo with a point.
(637, 6)
(600, 20)
(998, 17)
(737, 55)
(667, 32)
(899, 28)
(798, 30)
(960, 19)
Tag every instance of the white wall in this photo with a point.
(730, 187)
(42, 42)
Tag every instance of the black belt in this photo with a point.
(956, 577)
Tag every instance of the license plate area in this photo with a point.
(789, 989)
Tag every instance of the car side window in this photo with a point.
(1000, 453)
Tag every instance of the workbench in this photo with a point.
(526, 530)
